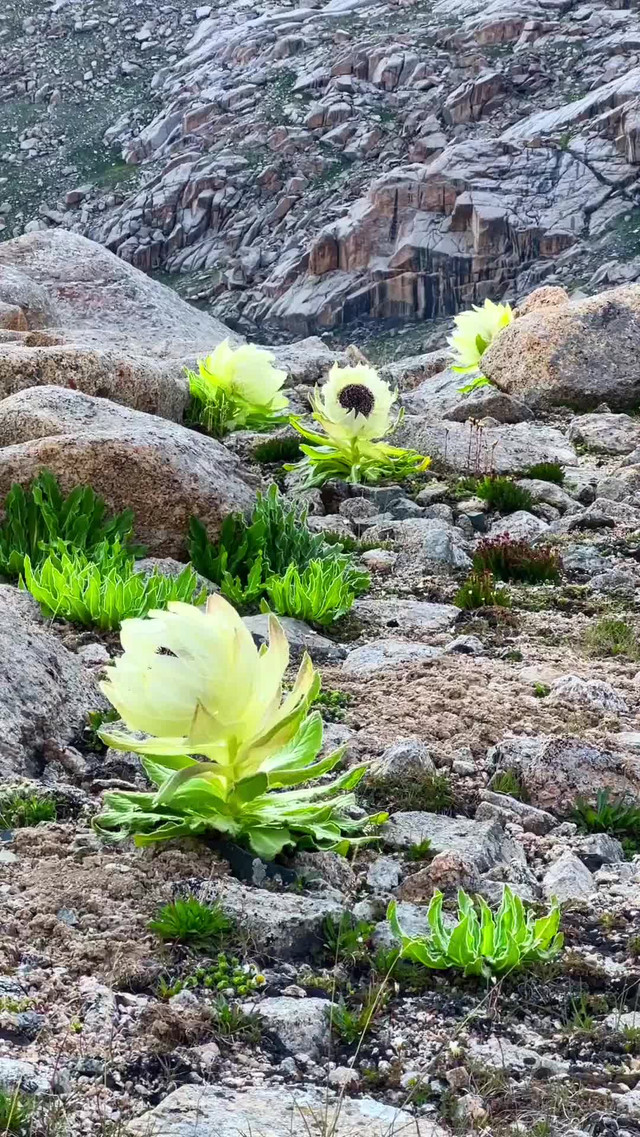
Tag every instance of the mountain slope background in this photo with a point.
(305, 169)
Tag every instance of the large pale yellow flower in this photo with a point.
(245, 372)
(475, 330)
(193, 681)
(354, 403)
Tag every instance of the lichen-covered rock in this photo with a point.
(580, 353)
(161, 470)
(289, 927)
(46, 692)
(274, 1111)
(556, 771)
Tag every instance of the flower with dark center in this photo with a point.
(356, 397)
(354, 403)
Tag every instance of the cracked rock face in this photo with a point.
(308, 166)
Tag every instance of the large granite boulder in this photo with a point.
(161, 470)
(45, 690)
(110, 330)
(580, 353)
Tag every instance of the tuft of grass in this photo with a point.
(618, 817)
(191, 922)
(16, 1112)
(509, 783)
(422, 851)
(541, 690)
(352, 1024)
(611, 636)
(231, 1022)
(431, 794)
(479, 591)
(347, 940)
(517, 560)
(503, 494)
(19, 810)
(546, 472)
(579, 1019)
(277, 450)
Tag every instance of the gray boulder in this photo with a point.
(287, 926)
(161, 470)
(472, 448)
(110, 330)
(606, 433)
(556, 771)
(297, 1026)
(479, 842)
(406, 758)
(46, 692)
(592, 693)
(387, 655)
(300, 636)
(519, 525)
(408, 616)
(568, 879)
(274, 1111)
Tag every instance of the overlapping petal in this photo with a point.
(475, 330)
(245, 373)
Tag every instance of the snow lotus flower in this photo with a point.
(475, 330)
(354, 403)
(354, 411)
(220, 736)
(238, 387)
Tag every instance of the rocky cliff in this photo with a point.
(310, 165)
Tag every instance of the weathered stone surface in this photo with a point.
(606, 433)
(126, 337)
(406, 758)
(439, 396)
(521, 524)
(290, 929)
(161, 470)
(471, 448)
(598, 849)
(568, 879)
(531, 819)
(387, 655)
(272, 1112)
(408, 616)
(53, 696)
(555, 771)
(457, 220)
(582, 353)
(301, 638)
(479, 842)
(592, 693)
(297, 1026)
